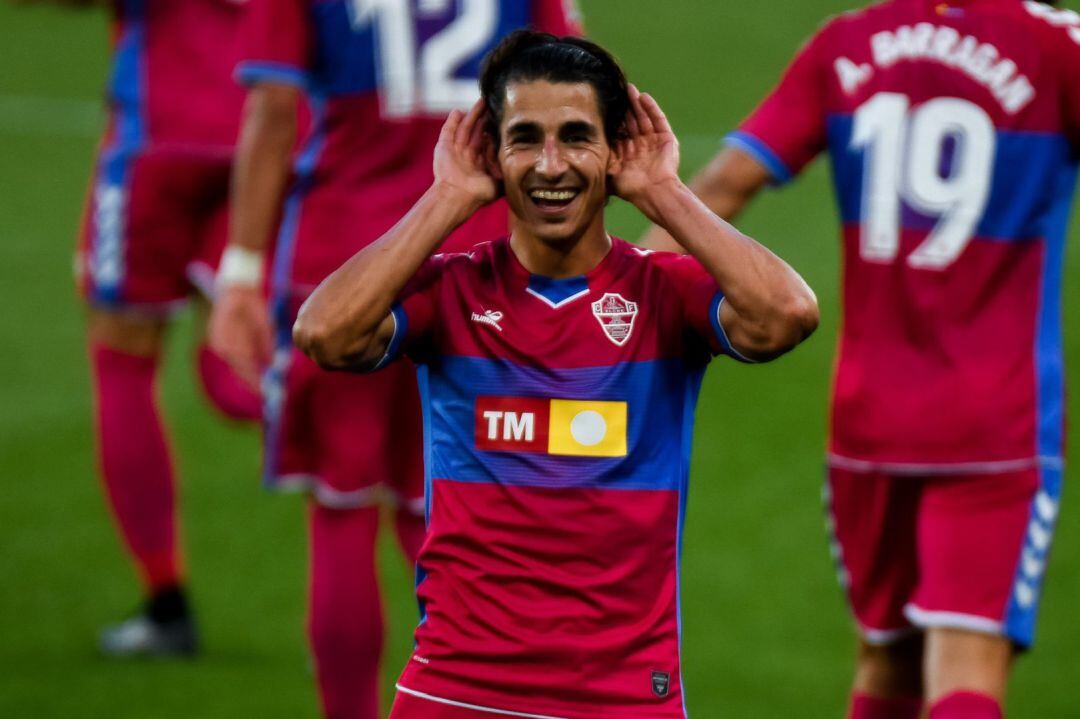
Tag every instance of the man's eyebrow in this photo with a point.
(522, 127)
(580, 127)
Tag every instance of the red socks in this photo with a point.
(135, 464)
(226, 391)
(345, 618)
(864, 706)
(966, 705)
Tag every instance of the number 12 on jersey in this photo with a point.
(418, 78)
(908, 159)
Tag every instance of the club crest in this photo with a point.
(616, 316)
(661, 684)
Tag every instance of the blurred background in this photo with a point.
(766, 631)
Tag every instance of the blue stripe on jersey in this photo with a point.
(252, 73)
(762, 153)
(659, 422)
(348, 51)
(1049, 363)
(1025, 164)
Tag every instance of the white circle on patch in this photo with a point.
(588, 428)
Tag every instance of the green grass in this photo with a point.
(766, 630)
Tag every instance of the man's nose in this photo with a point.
(551, 163)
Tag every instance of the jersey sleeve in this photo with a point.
(415, 315)
(700, 299)
(276, 42)
(558, 17)
(788, 129)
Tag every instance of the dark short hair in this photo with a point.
(526, 55)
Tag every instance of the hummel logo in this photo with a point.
(490, 317)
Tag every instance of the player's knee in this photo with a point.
(128, 333)
(893, 669)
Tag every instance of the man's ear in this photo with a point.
(615, 160)
(491, 160)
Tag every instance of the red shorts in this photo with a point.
(961, 551)
(352, 440)
(409, 706)
(154, 229)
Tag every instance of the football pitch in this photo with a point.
(766, 632)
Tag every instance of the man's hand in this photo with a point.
(648, 156)
(460, 159)
(240, 331)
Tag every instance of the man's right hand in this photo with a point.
(241, 332)
(460, 163)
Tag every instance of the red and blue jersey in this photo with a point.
(558, 420)
(381, 75)
(953, 129)
(171, 87)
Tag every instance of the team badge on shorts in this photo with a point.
(616, 316)
(661, 683)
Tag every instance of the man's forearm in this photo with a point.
(338, 322)
(726, 185)
(769, 306)
(262, 166)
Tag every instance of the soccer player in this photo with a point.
(953, 130)
(561, 370)
(381, 78)
(151, 240)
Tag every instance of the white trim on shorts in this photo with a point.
(926, 619)
(851, 464)
(473, 707)
(884, 637)
(326, 495)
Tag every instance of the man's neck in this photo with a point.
(574, 257)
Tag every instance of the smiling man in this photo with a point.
(561, 368)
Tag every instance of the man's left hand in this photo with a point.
(648, 157)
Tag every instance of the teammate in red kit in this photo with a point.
(153, 233)
(561, 368)
(953, 130)
(381, 77)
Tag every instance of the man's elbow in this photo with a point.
(793, 321)
(322, 342)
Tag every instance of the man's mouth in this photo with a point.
(553, 199)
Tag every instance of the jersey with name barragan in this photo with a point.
(953, 129)
(558, 422)
(381, 76)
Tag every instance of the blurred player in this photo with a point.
(953, 130)
(562, 369)
(154, 230)
(381, 76)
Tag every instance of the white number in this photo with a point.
(891, 135)
(421, 80)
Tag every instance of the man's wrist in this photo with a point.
(461, 203)
(660, 198)
(240, 267)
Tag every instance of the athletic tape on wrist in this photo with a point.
(240, 266)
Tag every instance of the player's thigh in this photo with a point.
(368, 431)
(872, 518)
(976, 553)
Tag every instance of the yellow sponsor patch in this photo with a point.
(587, 429)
